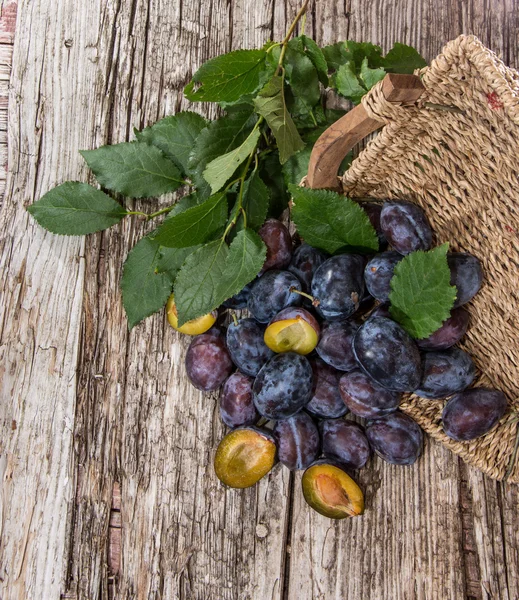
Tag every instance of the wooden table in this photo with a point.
(108, 488)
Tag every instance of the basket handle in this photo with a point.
(348, 131)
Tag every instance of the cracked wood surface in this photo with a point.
(105, 452)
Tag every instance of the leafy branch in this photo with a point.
(228, 174)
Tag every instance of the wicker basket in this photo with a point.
(455, 152)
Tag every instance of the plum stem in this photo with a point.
(315, 301)
(234, 318)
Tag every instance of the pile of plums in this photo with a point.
(319, 345)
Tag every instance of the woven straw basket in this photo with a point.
(455, 152)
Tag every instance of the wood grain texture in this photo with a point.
(105, 451)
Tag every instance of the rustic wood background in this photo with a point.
(107, 484)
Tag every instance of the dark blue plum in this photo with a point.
(379, 272)
(239, 300)
(336, 344)
(338, 285)
(305, 262)
(445, 372)
(297, 440)
(466, 275)
(450, 333)
(472, 413)
(236, 405)
(365, 398)
(247, 347)
(373, 210)
(405, 226)
(326, 401)
(388, 354)
(346, 442)
(283, 386)
(396, 438)
(271, 293)
(208, 363)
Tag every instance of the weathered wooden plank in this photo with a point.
(41, 290)
(8, 10)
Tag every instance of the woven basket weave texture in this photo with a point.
(462, 167)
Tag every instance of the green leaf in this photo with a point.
(342, 52)
(335, 55)
(144, 290)
(315, 54)
(332, 222)
(302, 78)
(272, 175)
(184, 203)
(296, 166)
(347, 83)
(255, 201)
(195, 225)
(247, 254)
(219, 137)
(216, 272)
(370, 76)
(271, 105)
(358, 51)
(170, 260)
(403, 59)
(219, 170)
(227, 77)
(175, 136)
(74, 208)
(421, 294)
(134, 169)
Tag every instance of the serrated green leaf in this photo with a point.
(335, 55)
(255, 201)
(134, 169)
(270, 104)
(421, 294)
(332, 222)
(175, 136)
(74, 208)
(370, 76)
(219, 170)
(247, 254)
(403, 59)
(197, 282)
(144, 290)
(216, 272)
(348, 84)
(315, 54)
(219, 137)
(271, 173)
(195, 225)
(170, 260)
(342, 52)
(184, 203)
(296, 166)
(302, 78)
(358, 51)
(227, 77)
